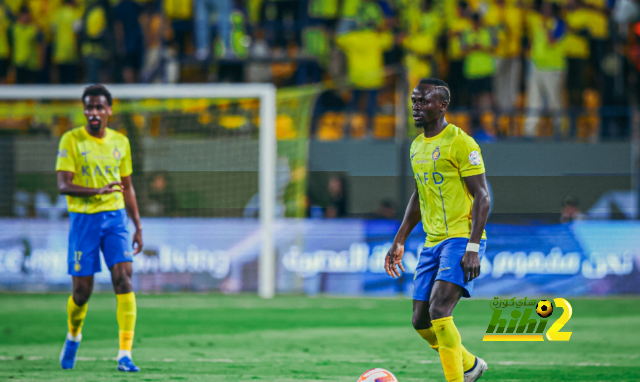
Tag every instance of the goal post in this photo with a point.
(265, 93)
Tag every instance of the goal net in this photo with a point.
(214, 165)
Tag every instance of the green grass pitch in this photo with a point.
(194, 337)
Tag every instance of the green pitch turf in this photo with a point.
(242, 338)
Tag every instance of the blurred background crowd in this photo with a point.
(505, 60)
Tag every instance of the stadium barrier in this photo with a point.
(341, 257)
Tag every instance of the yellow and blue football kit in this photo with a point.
(439, 165)
(97, 222)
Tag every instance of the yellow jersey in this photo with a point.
(365, 57)
(95, 163)
(439, 163)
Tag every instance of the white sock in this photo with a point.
(77, 338)
(124, 353)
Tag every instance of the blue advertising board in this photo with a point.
(344, 256)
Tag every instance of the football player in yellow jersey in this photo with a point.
(94, 171)
(452, 200)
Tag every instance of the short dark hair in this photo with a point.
(97, 90)
(441, 88)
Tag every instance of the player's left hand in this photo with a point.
(137, 242)
(470, 266)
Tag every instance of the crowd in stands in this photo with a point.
(496, 55)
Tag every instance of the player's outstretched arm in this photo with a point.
(411, 219)
(477, 186)
(67, 187)
(131, 204)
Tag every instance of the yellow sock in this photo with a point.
(126, 313)
(450, 348)
(468, 359)
(430, 337)
(76, 315)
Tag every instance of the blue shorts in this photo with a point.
(442, 262)
(91, 233)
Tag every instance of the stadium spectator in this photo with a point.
(478, 45)
(97, 40)
(615, 118)
(203, 11)
(422, 29)
(179, 15)
(280, 22)
(129, 38)
(598, 14)
(238, 50)
(153, 30)
(28, 48)
(317, 36)
(161, 201)
(545, 82)
(371, 13)
(65, 25)
(337, 207)
(386, 210)
(508, 21)
(458, 24)
(577, 50)
(570, 210)
(364, 48)
(5, 51)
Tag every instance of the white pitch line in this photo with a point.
(213, 360)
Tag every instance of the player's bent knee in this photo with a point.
(420, 322)
(81, 296)
(122, 284)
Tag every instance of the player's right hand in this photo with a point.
(394, 257)
(109, 188)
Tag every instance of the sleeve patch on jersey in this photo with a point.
(62, 153)
(474, 158)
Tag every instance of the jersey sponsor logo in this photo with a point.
(435, 154)
(474, 158)
(86, 170)
(435, 176)
(62, 153)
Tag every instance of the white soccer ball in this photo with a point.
(377, 375)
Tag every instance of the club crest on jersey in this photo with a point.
(116, 153)
(474, 158)
(435, 154)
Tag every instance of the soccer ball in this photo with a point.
(377, 375)
(544, 308)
